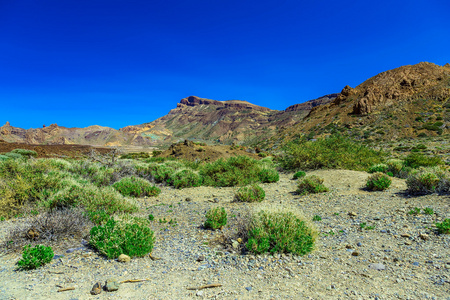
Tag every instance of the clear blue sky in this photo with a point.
(116, 63)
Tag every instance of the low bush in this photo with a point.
(282, 232)
(216, 218)
(416, 160)
(33, 258)
(378, 182)
(133, 238)
(13, 155)
(334, 152)
(299, 174)
(383, 168)
(310, 185)
(428, 180)
(25, 152)
(444, 226)
(185, 178)
(268, 175)
(253, 193)
(397, 168)
(136, 187)
(238, 170)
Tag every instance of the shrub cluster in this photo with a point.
(444, 226)
(282, 232)
(136, 187)
(253, 193)
(429, 180)
(310, 185)
(33, 258)
(378, 182)
(216, 218)
(334, 152)
(133, 238)
(298, 175)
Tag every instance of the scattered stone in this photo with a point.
(124, 258)
(199, 293)
(377, 266)
(239, 240)
(348, 247)
(355, 253)
(201, 258)
(96, 289)
(405, 235)
(424, 236)
(408, 243)
(249, 288)
(235, 244)
(112, 285)
(359, 244)
(352, 214)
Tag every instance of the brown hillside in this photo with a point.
(404, 102)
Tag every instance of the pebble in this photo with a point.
(124, 258)
(377, 266)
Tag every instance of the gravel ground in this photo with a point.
(402, 257)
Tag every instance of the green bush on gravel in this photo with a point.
(444, 226)
(33, 258)
(136, 187)
(185, 178)
(25, 152)
(253, 193)
(334, 152)
(281, 232)
(133, 238)
(378, 182)
(216, 218)
(311, 184)
(428, 181)
(298, 175)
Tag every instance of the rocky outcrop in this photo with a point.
(308, 105)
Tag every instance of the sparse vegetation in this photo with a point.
(428, 180)
(298, 175)
(136, 187)
(253, 193)
(216, 218)
(444, 226)
(282, 232)
(310, 185)
(33, 258)
(131, 237)
(185, 178)
(378, 182)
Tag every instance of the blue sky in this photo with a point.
(117, 63)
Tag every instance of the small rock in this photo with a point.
(201, 258)
(249, 288)
(188, 199)
(349, 247)
(415, 264)
(96, 289)
(424, 236)
(406, 235)
(359, 244)
(235, 244)
(112, 285)
(355, 253)
(199, 293)
(216, 200)
(239, 240)
(352, 214)
(408, 243)
(377, 266)
(124, 258)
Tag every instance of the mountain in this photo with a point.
(58, 135)
(194, 118)
(221, 121)
(408, 101)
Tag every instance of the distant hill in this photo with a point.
(408, 101)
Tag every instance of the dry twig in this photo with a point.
(66, 289)
(134, 280)
(205, 286)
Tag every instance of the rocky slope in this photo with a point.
(193, 118)
(222, 121)
(409, 101)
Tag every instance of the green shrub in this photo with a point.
(13, 155)
(378, 168)
(98, 217)
(299, 174)
(281, 232)
(133, 238)
(310, 185)
(216, 218)
(136, 187)
(428, 180)
(235, 171)
(268, 175)
(428, 211)
(35, 257)
(4, 157)
(334, 152)
(444, 227)
(24, 152)
(317, 218)
(378, 182)
(251, 193)
(397, 168)
(185, 178)
(162, 172)
(415, 160)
